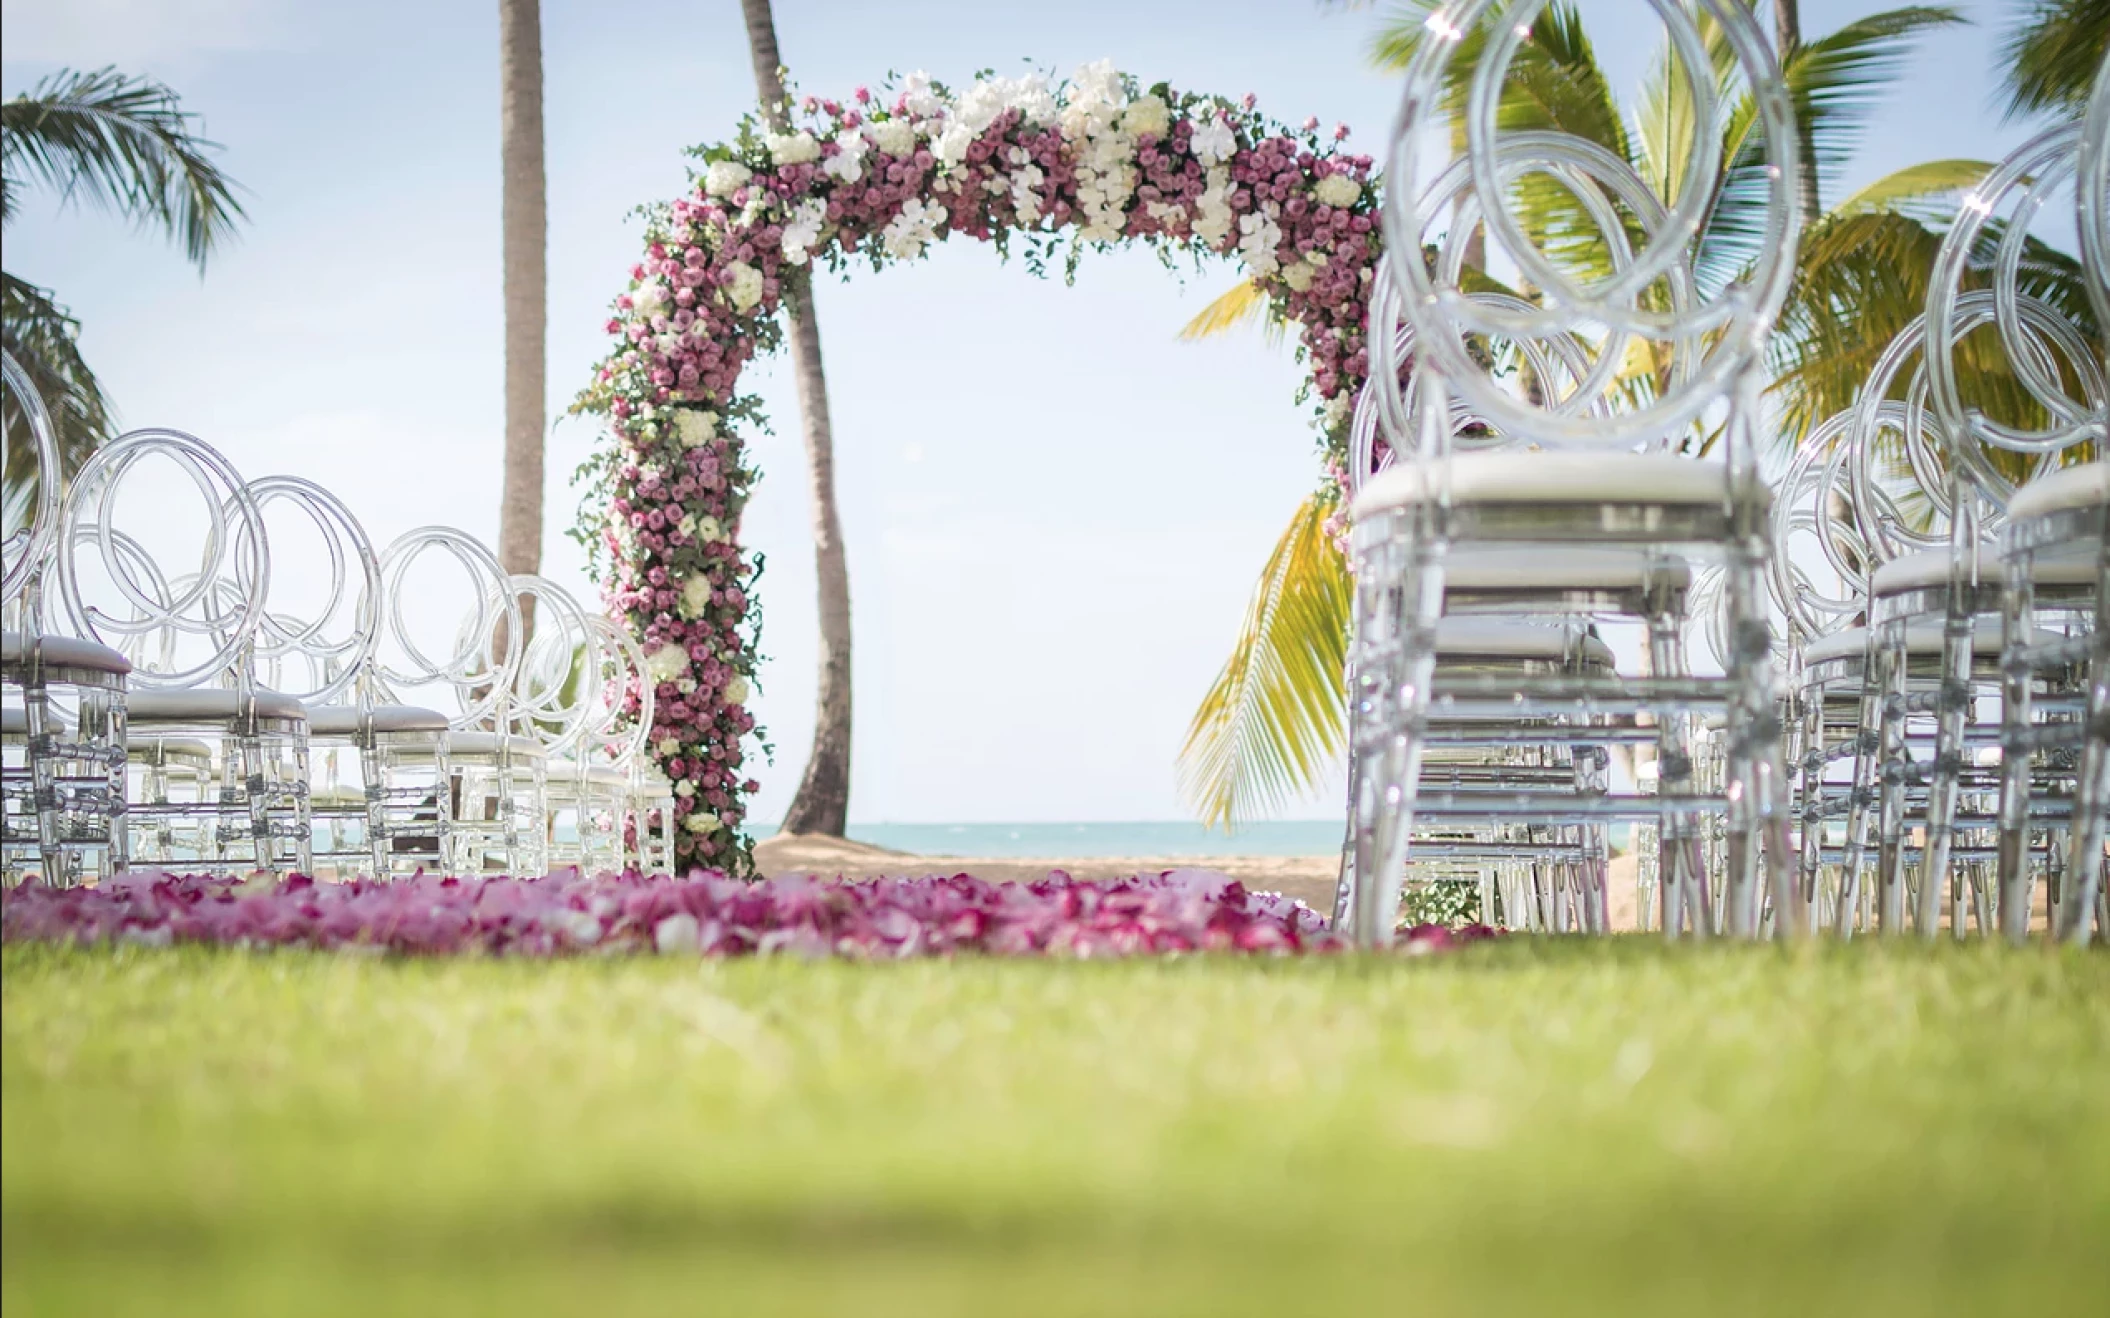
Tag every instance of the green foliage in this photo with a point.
(2049, 56)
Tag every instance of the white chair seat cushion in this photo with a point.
(1568, 569)
(1500, 638)
(206, 705)
(599, 775)
(1524, 476)
(150, 749)
(1930, 567)
(486, 743)
(343, 720)
(2084, 486)
(1922, 638)
(68, 651)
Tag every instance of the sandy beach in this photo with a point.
(1310, 879)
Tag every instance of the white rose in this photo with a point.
(695, 596)
(896, 137)
(648, 299)
(736, 691)
(685, 788)
(798, 148)
(666, 664)
(709, 531)
(669, 748)
(1338, 190)
(1146, 114)
(701, 822)
(687, 525)
(745, 289)
(1297, 274)
(693, 427)
(725, 177)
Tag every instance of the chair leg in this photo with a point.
(1890, 861)
(1952, 704)
(2091, 797)
(2017, 687)
(1395, 661)
(1674, 778)
(43, 780)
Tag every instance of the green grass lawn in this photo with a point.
(1521, 1128)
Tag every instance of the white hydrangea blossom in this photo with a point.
(669, 747)
(1146, 114)
(896, 137)
(687, 525)
(1258, 236)
(709, 531)
(703, 821)
(1213, 215)
(847, 164)
(1338, 190)
(798, 148)
(914, 229)
(695, 596)
(1213, 142)
(1298, 274)
(725, 177)
(684, 788)
(951, 143)
(666, 664)
(803, 230)
(648, 299)
(744, 290)
(694, 428)
(736, 691)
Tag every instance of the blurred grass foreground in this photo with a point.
(1528, 1127)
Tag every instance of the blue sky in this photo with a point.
(1054, 511)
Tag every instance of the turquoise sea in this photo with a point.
(1303, 837)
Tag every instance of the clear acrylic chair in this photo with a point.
(180, 584)
(62, 699)
(1589, 462)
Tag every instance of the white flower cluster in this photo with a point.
(736, 691)
(1026, 178)
(1213, 215)
(1338, 190)
(666, 663)
(1106, 175)
(914, 229)
(725, 177)
(1258, 237)
(896, 137)
(798, 148)
(984, 103)
(848, 163)
(1213, 142)
(920, 97)
(694, 428)
(695, 596)
(802, 232)
(648, 299)
(745, 288)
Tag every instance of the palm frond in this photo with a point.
(124, 144)
(1835, 83)
(1278, 710)
(40, 335)
(1917, 189)
(2049, 56)
(1242, 303)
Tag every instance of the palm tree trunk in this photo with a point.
(526, 230)
(1787, 36)
(822, 803)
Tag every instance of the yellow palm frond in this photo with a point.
(1277, 713)
(1240, 304)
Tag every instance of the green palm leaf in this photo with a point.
(1277, 712)
(124, 144)
(2049, 57)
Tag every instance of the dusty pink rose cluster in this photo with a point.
(1057, 166)
(704, 914)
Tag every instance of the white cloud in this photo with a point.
(132, 33)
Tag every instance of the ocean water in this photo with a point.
(1303, 837)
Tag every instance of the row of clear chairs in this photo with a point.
(255, 687)
(1567, 431)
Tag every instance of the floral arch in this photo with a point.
(1061, 167)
